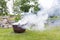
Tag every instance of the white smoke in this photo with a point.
(34, 21)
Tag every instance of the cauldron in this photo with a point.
(18, 29)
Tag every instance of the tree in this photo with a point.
(25, 5)
(3, 8)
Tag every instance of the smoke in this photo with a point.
(34, 21)
(37, 21)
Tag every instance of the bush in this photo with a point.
(18, 17)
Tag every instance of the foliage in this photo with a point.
(36, 8)
(18, 17)
(3, 8)
(25, 8)
(24, 5)
(53, 18)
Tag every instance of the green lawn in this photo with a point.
(8, 34)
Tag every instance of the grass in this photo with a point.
(8, 34)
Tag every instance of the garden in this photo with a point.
(28, 20)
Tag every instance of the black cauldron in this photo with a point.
(18, 29)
